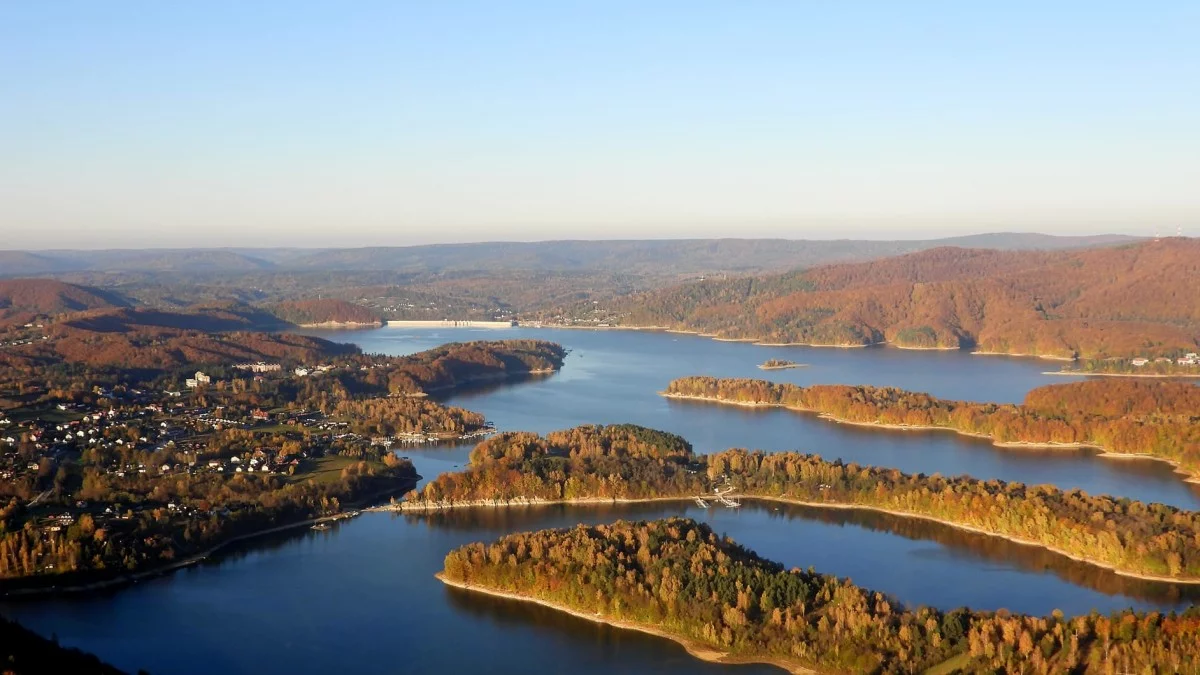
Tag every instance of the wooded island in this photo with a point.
(778, 364)
(679, 579)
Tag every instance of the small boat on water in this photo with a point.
(320, 526)
(701, 503)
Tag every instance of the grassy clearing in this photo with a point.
(322, 469)
(951, 665)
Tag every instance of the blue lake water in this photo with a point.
(361, 596)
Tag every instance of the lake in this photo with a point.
(361, 596)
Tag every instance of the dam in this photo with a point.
(452, 323)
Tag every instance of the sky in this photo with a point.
(301, 123)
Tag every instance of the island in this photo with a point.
(779, 364)
(1158, 420)
(678, 579)
(624, 463)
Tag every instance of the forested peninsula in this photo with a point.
(678, 579)
(1124, 417)
(631, 463)
(113, 474)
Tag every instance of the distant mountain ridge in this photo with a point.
(651, 256)
(1137, 299)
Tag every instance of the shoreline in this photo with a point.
(1104, 452)
(924, 349)
(342, 324)
(200, 556)
(1190, 581)
(697, 649)
(489, 377)
(1080, 373)
(1048, 357)
(761, 342)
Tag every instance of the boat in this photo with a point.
(320, 526)
(701, 503)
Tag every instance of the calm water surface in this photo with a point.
(361, 597)
(615, 376)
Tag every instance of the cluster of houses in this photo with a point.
(1189, 359)
(201, 379)
(18, 337)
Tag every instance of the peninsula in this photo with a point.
(595, 464)
(1158, 420)
(678, 579)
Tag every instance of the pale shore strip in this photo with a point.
(415, 507)
(1048, 357)
(342, 324)
(1189, 477)
(1080, 373)
(694, 647)
(761, 342)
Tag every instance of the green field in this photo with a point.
(323, 469)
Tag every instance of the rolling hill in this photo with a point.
(1139, 299)
(50, 297)
(652, 257)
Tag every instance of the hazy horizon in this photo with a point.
(614, 240)
(315, 124)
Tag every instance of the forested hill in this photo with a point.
(1157, 419)
(325, 311)
(1134, 300)
(46, 296)
(153, 339)
(23, 652)
(455, 364)
(678, 578)
(25, 300)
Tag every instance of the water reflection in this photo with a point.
(615, 643)
(955, 547)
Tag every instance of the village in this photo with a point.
(134, 438)
(1189, 359)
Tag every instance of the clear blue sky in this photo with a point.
(313, 123)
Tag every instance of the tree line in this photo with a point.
(681, 577)
(1065, 303)
(593, 462)
(1158, 419)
